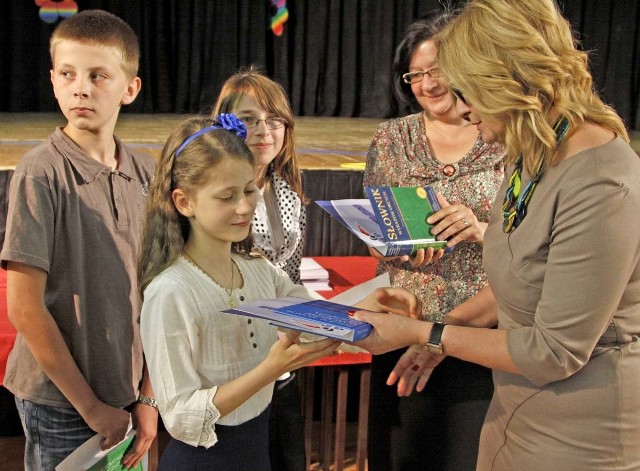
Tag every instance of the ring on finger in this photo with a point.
(465, 222)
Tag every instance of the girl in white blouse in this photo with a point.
(213, 373)
(278, 225)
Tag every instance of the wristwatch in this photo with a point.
(434, 344)
(148, 401)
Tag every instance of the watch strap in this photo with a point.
(434, 343)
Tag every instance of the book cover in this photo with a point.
(319, 317)
(90, 457)
(402, 213)
(357, 216)
(112, 461)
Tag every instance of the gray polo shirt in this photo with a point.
(81, 222)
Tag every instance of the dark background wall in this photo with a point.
(334, 58)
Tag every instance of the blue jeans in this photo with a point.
(52, 434)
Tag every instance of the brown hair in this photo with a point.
(166, 230)
(100, 28)
(271, 96)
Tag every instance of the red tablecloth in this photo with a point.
(7, 332)
(344, 273)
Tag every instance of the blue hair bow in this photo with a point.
(226, 121)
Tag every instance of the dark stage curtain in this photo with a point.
(325, 235)
(334, 58)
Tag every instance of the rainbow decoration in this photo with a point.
(51, 10)
(280, 18)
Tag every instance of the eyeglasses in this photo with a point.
(459, 95)
(272, 123)
(418, 76)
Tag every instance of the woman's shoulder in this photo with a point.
(404, 122)
(611, 164)
(587, 136)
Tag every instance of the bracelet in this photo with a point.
(148, 401)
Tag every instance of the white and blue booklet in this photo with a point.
(320, 318)
(317, 316)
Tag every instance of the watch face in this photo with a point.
(436, 349)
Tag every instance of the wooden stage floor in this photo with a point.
(322, 143)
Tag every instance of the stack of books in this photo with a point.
(313, 275)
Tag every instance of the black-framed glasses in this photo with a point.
(418, 76)
(458, 94)
(272, 123)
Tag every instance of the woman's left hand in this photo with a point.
(455, 223)
(414, 369)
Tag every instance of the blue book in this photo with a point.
(318, 317)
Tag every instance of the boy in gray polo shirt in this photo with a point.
(76, 206)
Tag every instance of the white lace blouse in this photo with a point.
(191, 348)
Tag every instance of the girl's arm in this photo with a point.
(285, 355)
(190, 357)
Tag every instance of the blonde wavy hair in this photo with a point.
(517, 61)
(166, 230)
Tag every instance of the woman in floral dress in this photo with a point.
(439, 427)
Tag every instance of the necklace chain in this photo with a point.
(514, 208)
(229, 291)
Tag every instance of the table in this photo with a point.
(7, 331)
(344, 272)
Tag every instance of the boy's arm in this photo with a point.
(28, 313)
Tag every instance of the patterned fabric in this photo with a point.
(400, 156)
(291, 226)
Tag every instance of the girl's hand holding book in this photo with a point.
(288, 354)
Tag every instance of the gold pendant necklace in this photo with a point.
(229, 291)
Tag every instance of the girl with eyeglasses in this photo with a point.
(278, 224)
(212, 373)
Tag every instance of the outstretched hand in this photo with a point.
(414, 369)
(390, 331)
(395, 300)
(289, 354)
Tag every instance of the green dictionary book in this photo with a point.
(402, 214)
(112, 461)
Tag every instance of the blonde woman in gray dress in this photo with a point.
(561, 252)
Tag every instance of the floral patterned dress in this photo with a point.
(400, 156)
